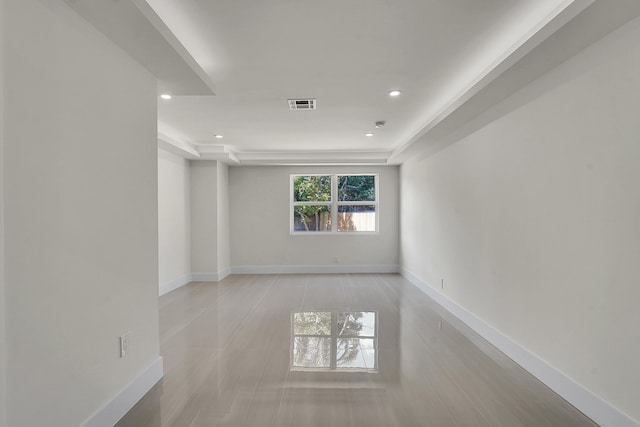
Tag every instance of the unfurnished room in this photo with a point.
(319, 213)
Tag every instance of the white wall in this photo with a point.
(193, 220)
(224, 233)
(204, 223)
(174, 220)
(3, 366)
(81, 214)
(533, 221)
(259, 201)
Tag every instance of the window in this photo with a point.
(334, 340)
(334, 203)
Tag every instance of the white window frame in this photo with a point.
(334, 204)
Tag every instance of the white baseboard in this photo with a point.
(589, 403)
(313, 269)
(224, 273)
(204, 277)
(165, 288)
(210, 277)
(121, 403)
(274, 269)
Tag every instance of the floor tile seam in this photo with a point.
(478, 408)
(463, 329)
(177, 331)
(345, 280)
(370, 377)
(280, 414)
(233, 334)
(210, 364)
(424, 342)
(239, 324)
(255, 391)
(181, 407)
(468, 397)
(209, 361)
(281, 402)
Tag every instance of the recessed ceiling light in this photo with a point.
(219, 136)
(368, 134)
(394, 93)
(166, 96)
(380, 124)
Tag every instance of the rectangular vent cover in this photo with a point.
(302, 104)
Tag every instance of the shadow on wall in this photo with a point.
(506, 93)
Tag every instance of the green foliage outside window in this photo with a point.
(357, 188)
(313, 189)
(313, 202)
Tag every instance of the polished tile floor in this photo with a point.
(332, 350)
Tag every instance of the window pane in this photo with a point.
(368, 324)
(312, 323)
(312, 352)
(312, 218)
(357, 324)
(357, 218)
(312, 188)
(350, 354)
(357, 188)
(368, 350)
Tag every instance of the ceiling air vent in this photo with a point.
(302, 104)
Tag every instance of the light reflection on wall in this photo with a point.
(334, 341)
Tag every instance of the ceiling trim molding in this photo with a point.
(564, 13)
(217, 152)
(319, 158)
(192, 151)
(224, 154)
(179, 148)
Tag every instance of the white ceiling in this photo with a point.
(255, 54)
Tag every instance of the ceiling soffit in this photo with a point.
(139, 30)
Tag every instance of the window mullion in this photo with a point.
(358, 203)
(334, 340)
(311, 203)
(334, 203)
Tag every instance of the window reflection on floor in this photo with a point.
(334, 340)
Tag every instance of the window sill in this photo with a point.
(334, 233)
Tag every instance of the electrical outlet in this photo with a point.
(124, 344)
(335, 260)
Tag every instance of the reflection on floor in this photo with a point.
(332, 350)
(335, 340)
